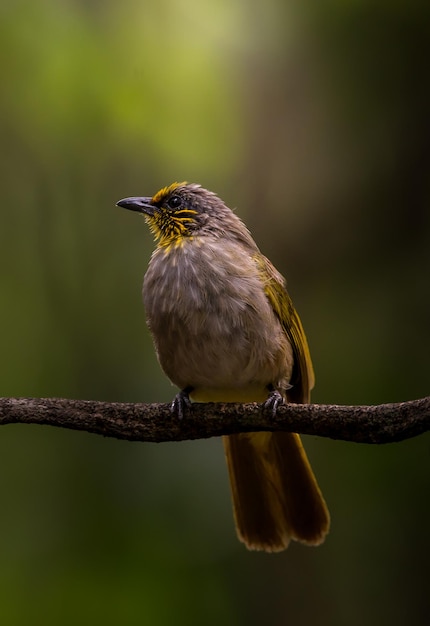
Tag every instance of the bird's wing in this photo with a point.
(302, 379)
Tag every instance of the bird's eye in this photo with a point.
(174, 202)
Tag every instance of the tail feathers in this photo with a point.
(305, 510)
(275, 495)
(257, 505)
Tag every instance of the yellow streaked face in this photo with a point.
(167, 213)
(172, 218)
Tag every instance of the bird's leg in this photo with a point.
(181, 402)
(274, 399)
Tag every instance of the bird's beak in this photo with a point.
(141, 205)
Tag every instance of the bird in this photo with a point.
(225, 330)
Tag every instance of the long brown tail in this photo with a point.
(275, 494)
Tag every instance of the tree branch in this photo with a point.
(384, 423)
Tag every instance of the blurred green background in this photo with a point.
(313, 120)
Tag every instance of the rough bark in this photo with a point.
(384, 423)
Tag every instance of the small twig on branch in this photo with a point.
(384, 423)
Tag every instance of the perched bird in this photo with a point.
(225, 329)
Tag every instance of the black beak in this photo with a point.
(141, 205)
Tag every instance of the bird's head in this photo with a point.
(184, 210)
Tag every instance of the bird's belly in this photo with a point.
(246, 393)
(230, 359)
(217, 335)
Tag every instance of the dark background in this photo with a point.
(313, 120)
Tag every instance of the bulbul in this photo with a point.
(225, 330)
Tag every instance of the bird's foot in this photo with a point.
(181, 403)
(274, 399)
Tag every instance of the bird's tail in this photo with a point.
(275, 494)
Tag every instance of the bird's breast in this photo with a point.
(212, 324)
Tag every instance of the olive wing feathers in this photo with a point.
(303, 378)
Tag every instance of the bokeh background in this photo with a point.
(313, 120)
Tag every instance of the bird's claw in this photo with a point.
(181, 403)
(274, 399)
